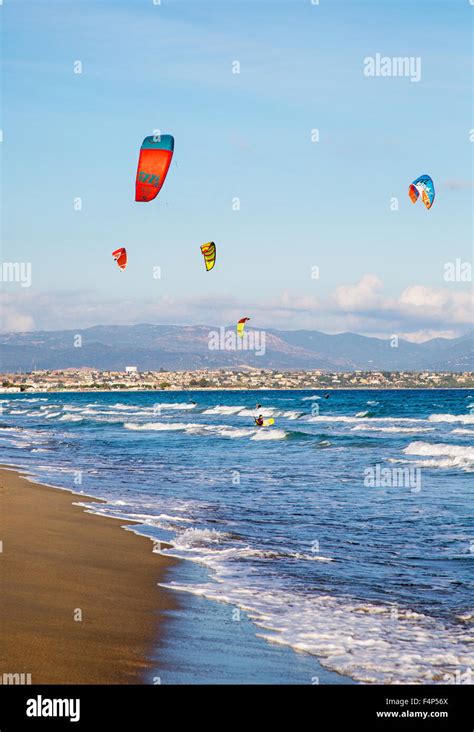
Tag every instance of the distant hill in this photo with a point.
(173, 347)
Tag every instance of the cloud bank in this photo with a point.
(417, 313)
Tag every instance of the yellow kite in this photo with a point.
(209, 253)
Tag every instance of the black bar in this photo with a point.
(337, 707)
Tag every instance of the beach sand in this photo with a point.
(58, 563)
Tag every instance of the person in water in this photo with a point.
(259, 421)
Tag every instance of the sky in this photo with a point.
(318, 154)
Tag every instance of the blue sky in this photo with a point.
(303, 204)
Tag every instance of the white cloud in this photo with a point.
(418, 313)
(437, 304)
(13, 321)
(363, 295)
(420, 336)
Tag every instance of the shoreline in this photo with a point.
(120, 638)
(81, 601)
(242, 388)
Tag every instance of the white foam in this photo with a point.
(158, 406)
(428, 448)
(264, 411)
(310, 557)
(292, 414)
(233, 432)
(269, 434)
(370, 643)
(442, 455)
(466, 618)
(379, 428)
(222, 409)
(463, 418)
(348, 419)
(156, 426)
(206, 429)
(252, 412)
(192, 538)
(162, 519)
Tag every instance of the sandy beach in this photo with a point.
(80, 601)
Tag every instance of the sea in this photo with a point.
(334, 546)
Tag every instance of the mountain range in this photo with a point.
(151, 347)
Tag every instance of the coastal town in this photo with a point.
(131, 379)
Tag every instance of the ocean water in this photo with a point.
(340, 538)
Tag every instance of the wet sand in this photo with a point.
(79, 597)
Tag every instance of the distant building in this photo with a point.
(131, 369)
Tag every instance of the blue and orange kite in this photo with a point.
(424, 185)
